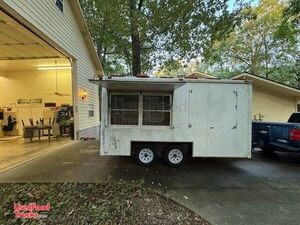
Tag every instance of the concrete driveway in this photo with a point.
(15, 152)
(264, 190)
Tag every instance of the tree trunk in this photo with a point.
(102, 55)
(99, 50)
(135, 40)
(266, 57)
(298, 80)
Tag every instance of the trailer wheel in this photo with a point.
(175, 156)
(146, 155)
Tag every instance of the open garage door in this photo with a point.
(35, 86)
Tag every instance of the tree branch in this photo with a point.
(140, 4)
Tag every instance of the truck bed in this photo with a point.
(276, 136)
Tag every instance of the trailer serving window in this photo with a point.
(156, 110)
(124, 110)
(140, 109)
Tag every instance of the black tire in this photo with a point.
(268, 150)
(175, 156)
(145, 155)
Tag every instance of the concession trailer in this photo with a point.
(174, 118)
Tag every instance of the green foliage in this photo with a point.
(266, 43)
(292, 12)
(167, 30)
(106, 23)
(172, 68)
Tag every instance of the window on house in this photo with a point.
(156, 110)
(124, 110)
(60, 4)
(91, 110)
(298, 107)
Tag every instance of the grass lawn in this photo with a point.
(100, 203)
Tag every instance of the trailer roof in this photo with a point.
(149, 83)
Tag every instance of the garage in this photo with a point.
(35, 86)
(46, 60)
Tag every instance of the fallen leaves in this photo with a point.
(98, 203)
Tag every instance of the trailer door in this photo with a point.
(222, 121)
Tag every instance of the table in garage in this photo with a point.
(39, 128)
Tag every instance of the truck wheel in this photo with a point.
(175, 156)
(268, 150)
(146, 155)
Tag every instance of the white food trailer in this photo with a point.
(173, 117)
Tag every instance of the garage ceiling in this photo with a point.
(16, 42)
(31, 64)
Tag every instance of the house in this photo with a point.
(46, 59)
(200, 75)
(272, 101)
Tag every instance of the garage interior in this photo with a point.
(35, 86)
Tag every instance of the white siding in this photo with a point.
(62, 28)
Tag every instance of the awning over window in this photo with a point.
(154, 84)
(136, 84)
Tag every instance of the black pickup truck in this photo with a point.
(284, 137)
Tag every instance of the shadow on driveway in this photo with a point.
(261, 190)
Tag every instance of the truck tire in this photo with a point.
(145, 155)
(175, 156)
(268, 150)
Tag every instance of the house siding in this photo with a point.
(274, 107)
(63, 29)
